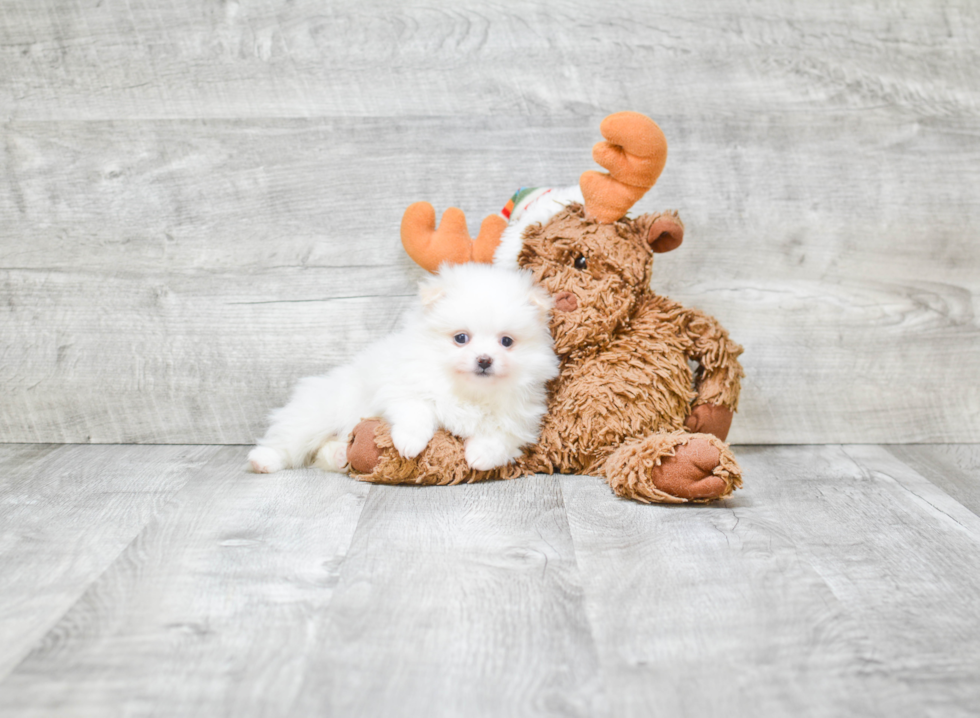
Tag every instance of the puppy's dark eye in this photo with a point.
(506, 342)
(580, 262)
(461, 338)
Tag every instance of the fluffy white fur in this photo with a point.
(423, 378)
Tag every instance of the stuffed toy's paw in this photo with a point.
(674, 467)
(363, 453)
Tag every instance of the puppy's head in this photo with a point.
(490, 326)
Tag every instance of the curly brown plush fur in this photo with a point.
(699, 467)
(442, 462)
(626, 405)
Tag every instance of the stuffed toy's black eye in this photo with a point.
(580, 262)
(506, 342)
(461, 338)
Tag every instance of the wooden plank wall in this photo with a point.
(199, 202)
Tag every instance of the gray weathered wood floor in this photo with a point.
(165, 580)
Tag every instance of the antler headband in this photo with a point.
(634, 153)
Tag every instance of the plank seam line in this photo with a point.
(972, 530)
(88, 585)
(581, 581)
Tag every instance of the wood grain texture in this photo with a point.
(824, 159)
(244, 599)
(154, 358)
(167, 581)
(203, 327)
(838, 583)
(66, 513)
(197, 356)
(954, 468)
(462, 600)
(715, 611)
(276, 58)
(210, 611)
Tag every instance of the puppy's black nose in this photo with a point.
(484, 361)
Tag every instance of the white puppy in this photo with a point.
(472, 357)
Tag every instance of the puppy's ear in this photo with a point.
(431, 291)
(542, 300)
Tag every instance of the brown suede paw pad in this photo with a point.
(673, 467)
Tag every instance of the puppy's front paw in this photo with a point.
(265, 460)
(409, 440)
(485, 453)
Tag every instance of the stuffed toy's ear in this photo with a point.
(431, 291)
(664, 232)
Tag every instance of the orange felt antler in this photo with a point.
(634, 154)
(429, 247)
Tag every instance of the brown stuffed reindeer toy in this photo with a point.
(626, 405)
